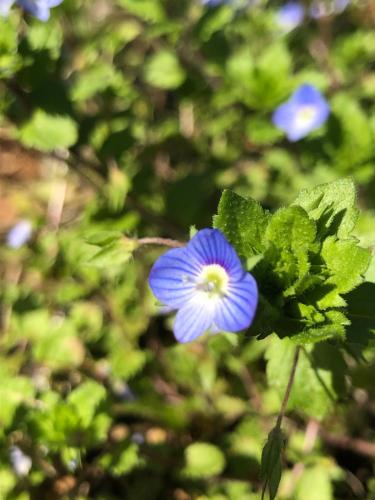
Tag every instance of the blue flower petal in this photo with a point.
(5, 6)
(209, 246)
(19, 234)
(290, 15)
(194, 318)
(236, 310)
(39, 8)
(288, 116)
(173, 277)
(283, 115)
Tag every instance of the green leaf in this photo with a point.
(91, 81)
(123, 461)
(346, 263)
(163, 70)
(46, 36)
(48, 132)
(13, 393)
(321, 325)
(361, 313)
(315, 483)
(203, 460)
(270, 81)
(243, 222)
(111, 255)
(86, 398)
(354, 142)
(271, 461)
(103, 238)
(332, 205)
(288, 239)
(319, 380)
(149, 10)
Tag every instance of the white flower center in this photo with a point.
(306, 115)
(213, 280)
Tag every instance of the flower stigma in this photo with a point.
(213, 280)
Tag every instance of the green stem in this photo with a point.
(288, 390)
(284, 404)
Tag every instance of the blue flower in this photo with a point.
(19, 234)
(290, 15)
(21, 463)
(5, 6)
(38, 8)
(206, 283)
(234, 3)
(214, 2)
(305, 111)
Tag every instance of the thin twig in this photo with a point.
(355, 445)
(167, 242)
(288, 388)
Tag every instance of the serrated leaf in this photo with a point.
(243, 221)
(346, 263)
(48, 132)
(331, 324)
(332, 205)
(288, 239)
(319, 380)
(203, 460)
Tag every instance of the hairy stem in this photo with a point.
(160, 241)
(288, 388)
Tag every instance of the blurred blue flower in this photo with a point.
(19, 234)
(21, 463)
(214, 2)
(290, 15)
(5, 6)
(206, 283)
(38, 8)
(324, 8)
(235, 3)
(305, 111)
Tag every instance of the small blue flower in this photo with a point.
(290, 15)
(235, 3)
(21, 463)
(305, 111)
(206, 283)
(5, 6)
(214, 2)
(19, 234)
(38, 8)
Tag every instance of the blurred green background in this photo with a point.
(132, 116)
